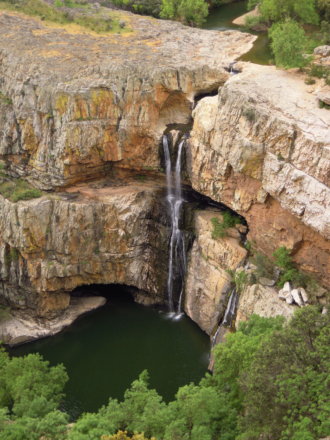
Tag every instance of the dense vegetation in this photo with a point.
(288, 22)
(271, 380)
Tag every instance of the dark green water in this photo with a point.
(221, 19)
(105, 351)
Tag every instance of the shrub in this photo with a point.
(288, 42)
(18, 189)
(250, 114)
(309, 81)
(319, 71)
(228, 221)
(265, 267)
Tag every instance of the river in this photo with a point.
(105, 351)
(221, 19)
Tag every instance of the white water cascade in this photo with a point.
(229, 314)
(177, 250)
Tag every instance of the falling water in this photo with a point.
(229, 314)
(177, 251)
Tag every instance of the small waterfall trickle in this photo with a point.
(229, 314)
(177, 249)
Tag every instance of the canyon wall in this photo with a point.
(78, 107)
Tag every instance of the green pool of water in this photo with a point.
(221, 19)
(105, 351)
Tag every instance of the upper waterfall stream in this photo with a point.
(177, 248)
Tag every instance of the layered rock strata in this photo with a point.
(261, 147)
(104, 235)
(207, 283)
(77, 103)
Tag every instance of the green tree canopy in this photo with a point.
(287, 387)
(288, 42)
(303, 11)
(189, 11)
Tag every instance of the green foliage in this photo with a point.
(12, 256)
(228, 221)
(250, 114)
(33, 391)
(279, 156)
(237, 354)
(18, 189)
(5, 99)
(288, 42)
(255, 21)
(189, 11)
(42, 10)
(289, 379)
(283, 259)
(239, 278)
(309, 81)
(265, 267)
(319, 71)
(302, 11)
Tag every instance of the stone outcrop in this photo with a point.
(207, 283)
(16, 330)
(95, 234)
(77, 103)
(261, 147)
(263, 301)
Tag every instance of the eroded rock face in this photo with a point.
(79, 103)
(208, 283)
(261, 147)
(104, 235)
(262, 301)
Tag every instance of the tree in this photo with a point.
(189, 11)
(278, 10)
(287, 386)
(29, 386)
(237, 354)
(288, 42)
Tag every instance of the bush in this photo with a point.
(250, 114)
(265, 267)
(309, 81)
(288, 42)
(228, 221)
(18, 189)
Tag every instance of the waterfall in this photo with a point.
(229, 314)
(177, 249)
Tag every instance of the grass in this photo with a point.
(18, 189)
(4, 99)
(36, 8)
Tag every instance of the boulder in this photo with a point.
(324, 51)
(263, 301)
(303, 294)
(266, 282)
(289, 298)
(297, 298)
(281, 295)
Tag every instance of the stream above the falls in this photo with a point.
(221, 18)
(105, 351)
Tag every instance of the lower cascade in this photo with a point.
(229, 314)
(177, 250)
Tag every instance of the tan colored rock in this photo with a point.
(109, 235)
(16, 330)
(81, 107)
(207, 283)
(266, 157)
(263, 301)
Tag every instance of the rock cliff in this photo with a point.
(78, 107)
(261, 147)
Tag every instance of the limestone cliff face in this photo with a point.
(262, 148)
(81, 103)
(107, 235)
(208, 283)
